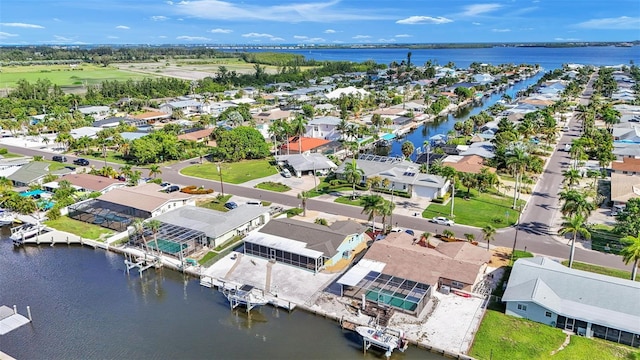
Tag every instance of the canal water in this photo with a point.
(85, 306)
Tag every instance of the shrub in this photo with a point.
(3, 151)
(497, 220)
(441, 199)
(54, 213)
(321, 221)
(293, 212)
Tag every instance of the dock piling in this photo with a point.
(15, 309)
(29, 313)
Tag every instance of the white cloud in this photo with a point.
(159, 18)
(112, 37)
(122, 27)
(619, 23)
(296, 12)
(6, 35)
(277, 39)
(22, 25)
(359, 37)
(257, 35)
(61, 39)
(501, 30)
(162, 37)
(221, 31)
(169, 2)
(57, 20)
(386, 40)
(476, 23)
(330, 31)
(413, 20)
(478, 9)
(192, 38)
(314, 40)
(565, 39)
(403, 36)
(300, 37)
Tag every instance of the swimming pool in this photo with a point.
(31, 193)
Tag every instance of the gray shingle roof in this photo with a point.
(30, 172)
(398, 171)
(596, 298)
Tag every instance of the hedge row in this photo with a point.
(194, 190)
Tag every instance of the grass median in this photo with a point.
(234, 173)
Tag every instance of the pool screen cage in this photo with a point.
(109, 215)
(386, 290)
(169, 239)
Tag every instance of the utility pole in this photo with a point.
(221, 183)
(515, 238)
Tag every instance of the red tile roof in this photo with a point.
(627, 164)
(307, 144)
(196, 135)
(151, 115)
(469, 164)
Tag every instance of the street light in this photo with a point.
(428, 149)
(393, 186)
(221, 183)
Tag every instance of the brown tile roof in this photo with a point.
(624, 187)
(307, 144)
(389, 111)
(146, 197)
(151, 115)
(89, 181)
(538, 102)
(454, 261)
(469, 164)
(273, 115)
(196, 135)
(627, 164)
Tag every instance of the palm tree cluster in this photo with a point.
(376, 205)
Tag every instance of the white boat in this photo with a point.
(26, 231)
(6, 218)
(385, 338)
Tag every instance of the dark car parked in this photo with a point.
(81, 162)
(231, 205)
(59, 158)
(172, 188)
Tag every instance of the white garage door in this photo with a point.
(425, 192)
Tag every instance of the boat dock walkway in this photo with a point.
(11, 320)
(273, 300)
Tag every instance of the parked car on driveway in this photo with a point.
(286, 173)
(81, 162)
(441, 220)
(231, 205)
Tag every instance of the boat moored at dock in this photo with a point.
(384, 338)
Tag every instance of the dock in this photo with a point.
(273, 300)
(11, 320)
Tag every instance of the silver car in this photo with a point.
(441, 220)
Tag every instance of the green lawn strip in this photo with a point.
(604, 239)
(479, 210)
(54, 165)
(64, 75)
(273, 186)
(348, 201)
(234, 173)
(11, 155)
(80, 228)
(208, 256)
(622, 274)
(216, 203)
(506, 337)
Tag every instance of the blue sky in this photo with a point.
(315, 22)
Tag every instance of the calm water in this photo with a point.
(86, 307)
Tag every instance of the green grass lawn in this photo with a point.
(234, 173)
(507, 337)
(11, 155)
(208, 256)
(348, 201)
(83, 229)
(54, 165)
(64, 75)
(216, 204)
(479, 210)
(112, 157)
(602, 270)
(273, 186)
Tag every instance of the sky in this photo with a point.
(271, 22)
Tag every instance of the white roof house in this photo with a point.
(350, 90)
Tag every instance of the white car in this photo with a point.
(442, 221)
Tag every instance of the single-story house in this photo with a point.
(308, 245)
(586, 303)
(88, 131)
(628, 166)
(398, 272)
(307, 163)
(271, 116)
(403, 175)
(350, 90)
(472, 164)
(186, 106)
(94, 110)
(623, 150)
(624, 187)
(152, 116)
(305, 144)
(87, 182)
(200, 136)
(628, 133)
(10, 165)
(218, 227)
(33, 173)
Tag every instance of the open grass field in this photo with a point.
(234, 173)
(478, 210)
(64, 75)
(507, 337)
(83, 229)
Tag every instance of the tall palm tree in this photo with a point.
(299, 127)
(387, 210)
(154, 226)
(154, 170)
(138, 226)
(372, 205)
(572, 176)
(450, 174)
(631, 252)
(517, 160)
(574, 225)
(353, 174)
(488, 234)
(407, 148)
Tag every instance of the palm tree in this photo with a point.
(387, 210)
(372, 205)
(574, 225)
(154, 170)
(353, 174)
(488, 233)
(407, 148)
(299, 127)
(304, 196)
(154, 226)
(138, 226)
(631, 252)
(517, 161)
(450, 174)
(572, 176)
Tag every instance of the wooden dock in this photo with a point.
(11, 320)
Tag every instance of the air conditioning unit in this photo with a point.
(445, 289)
